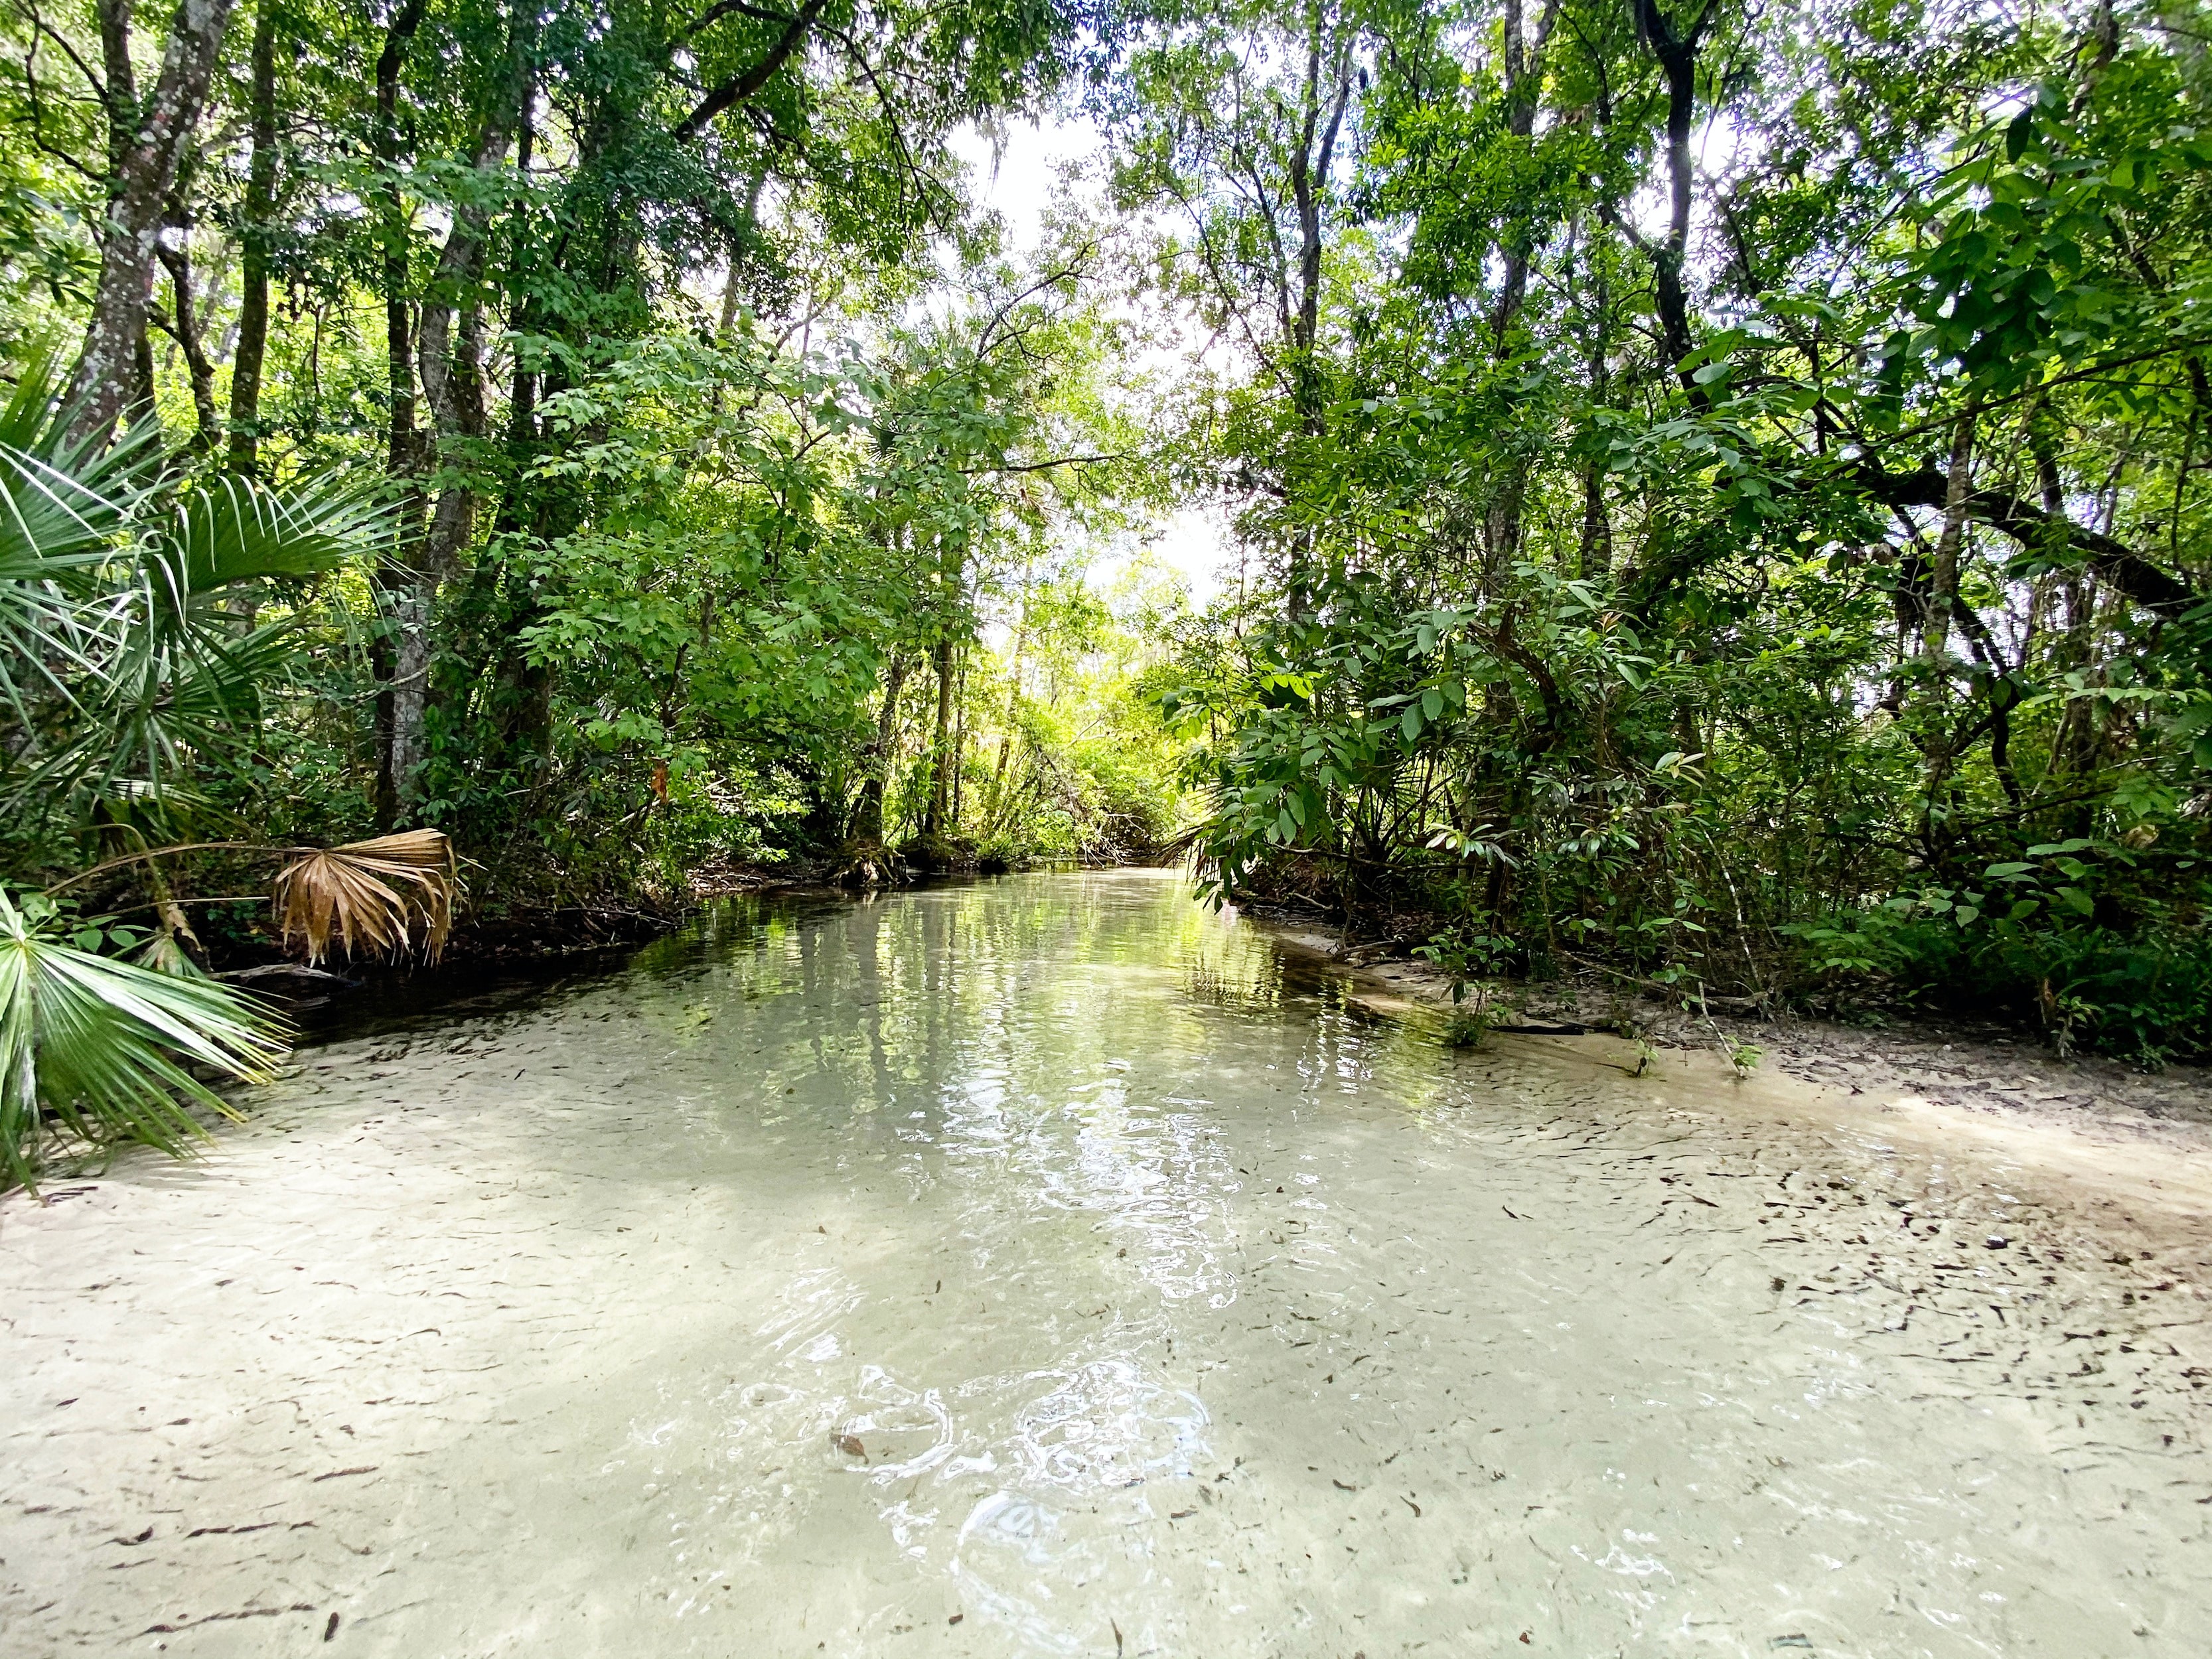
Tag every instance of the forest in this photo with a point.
(1714, 491)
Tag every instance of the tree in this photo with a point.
(1889, 406)
(148, 140)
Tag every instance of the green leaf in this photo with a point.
(101, 1047)
(234, 530)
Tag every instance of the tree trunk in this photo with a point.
(253, 280)
(1524, 90)
(729, 317)
(1596, 558)
(1312, 155)
(1013, 714)
(959, 743)
(1524, 86)
(449, 358)
(145, 145)
(868, 815)
(522, 396)
(401, 459)
(403, 443)
(940, 749)
(183, 326)
(1940, 748)
(1313, 152)
(1943, 577)
(1677, 54)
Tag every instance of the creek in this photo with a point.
(1051, 1265)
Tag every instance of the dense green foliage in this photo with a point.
(105, 1046)
(1731, 478)
(739, 488)
(1719, 486)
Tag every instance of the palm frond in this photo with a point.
(236, 531)
(63, 501)
(371, 895)
(170, 679)
(65, 510)
(98, 1049)
(165, 954)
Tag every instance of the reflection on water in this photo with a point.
(1049, 1266)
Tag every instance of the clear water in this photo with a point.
(1050, 1266)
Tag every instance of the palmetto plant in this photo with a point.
(127, 658)
(125, 650)
(64, 514)
(387, 897)
(99, 1050)
(182, 674)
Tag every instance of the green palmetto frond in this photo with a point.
(169, 694)
(235, 531)
(66, 500)
(99, 1050)
(65, 510)
(168, 674)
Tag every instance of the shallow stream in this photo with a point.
(1049, 1266)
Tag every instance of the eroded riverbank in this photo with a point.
(1049, 1266)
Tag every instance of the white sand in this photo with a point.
(1048, 1267)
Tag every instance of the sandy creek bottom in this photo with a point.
(1049, 1266)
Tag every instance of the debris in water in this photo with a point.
(1793, 1641)
(331, 1630)
(1995, 1242)
(850, 1444)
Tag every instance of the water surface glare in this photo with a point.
(1047, 1266)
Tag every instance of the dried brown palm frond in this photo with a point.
(381, 896)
